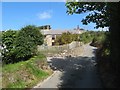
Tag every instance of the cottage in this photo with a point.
(50, 35)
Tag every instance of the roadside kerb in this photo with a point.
(39, 84)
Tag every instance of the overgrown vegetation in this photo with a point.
(104, 14)
(26, 42)
(101, 41)
(66, 38)
(23, 66)
(8, 39)
(20, 45)
(25, 74)
(95, 37)
(87, 36)
(99, 38)
(0, 37)
(103, 55)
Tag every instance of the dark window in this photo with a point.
(53, 43)
(53, 37)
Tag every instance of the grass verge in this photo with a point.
(25, 74)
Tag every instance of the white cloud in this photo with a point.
(45, 15)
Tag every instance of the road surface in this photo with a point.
(74, 72)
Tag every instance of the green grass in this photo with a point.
(25, 74)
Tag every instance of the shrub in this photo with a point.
(87, 37)
(99, 39)
(20, 45)
(66, 38)
(26, 42)
(8, 39)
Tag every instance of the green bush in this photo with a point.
(20, 45)
(66, 38)
(8, 38)
(105, 49)
(87, 36)
(26, 42)
(99, 38)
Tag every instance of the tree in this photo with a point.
(99, 13)
(8, 38)
(26, 42)
(104, 14)
(0, 37)
(20, 45)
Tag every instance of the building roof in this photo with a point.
(59, 32)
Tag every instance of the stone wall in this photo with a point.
(72, 45)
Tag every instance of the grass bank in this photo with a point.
(25, 74)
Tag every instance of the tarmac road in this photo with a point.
(74, 72)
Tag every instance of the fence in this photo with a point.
(60, 48)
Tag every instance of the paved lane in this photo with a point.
(74, 72)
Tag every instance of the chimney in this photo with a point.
(48, 27)
(78, 27)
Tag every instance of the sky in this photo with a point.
(16, 15)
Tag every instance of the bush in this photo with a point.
(66, 38)
(26, 42)
(99, 39)
(20, 45)
(87, 37)
(8, 39)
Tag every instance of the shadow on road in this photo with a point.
(77, 72)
